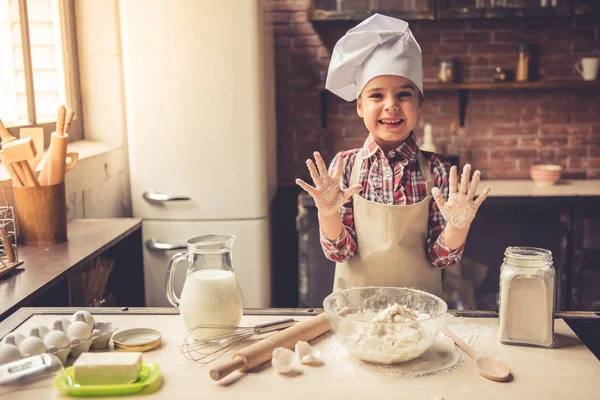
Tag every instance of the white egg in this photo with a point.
(84, 316)
(32, 346)
(60, 324)
(39, 331)
(79, 330)
(306, 353)
(283, 360)
(14, 338)
(58, 339)
(9, 353)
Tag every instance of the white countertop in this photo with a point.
(527, 187)
(567, 371)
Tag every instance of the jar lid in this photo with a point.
(528, 256)
(137, 339)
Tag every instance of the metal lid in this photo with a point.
(138, 339)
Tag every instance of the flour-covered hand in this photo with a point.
(460, 208)
(328, 195)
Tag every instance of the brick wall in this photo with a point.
(504, 133)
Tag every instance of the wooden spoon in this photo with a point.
(487, 367)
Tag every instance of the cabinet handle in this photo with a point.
(159, 198)
(155, 245)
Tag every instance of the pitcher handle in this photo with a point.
(171, 296)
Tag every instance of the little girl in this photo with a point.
(392, 233)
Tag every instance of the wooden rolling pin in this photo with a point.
(56, 159)
(262, 351)
(53, 170)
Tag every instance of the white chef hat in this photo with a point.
(379, 45)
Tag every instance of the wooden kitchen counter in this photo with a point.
(569, 370)
(46, 267)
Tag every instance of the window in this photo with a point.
(38, 65)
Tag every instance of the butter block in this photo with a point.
(110, 368)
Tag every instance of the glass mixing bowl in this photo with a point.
(351, 312)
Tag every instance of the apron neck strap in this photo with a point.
(424, 166)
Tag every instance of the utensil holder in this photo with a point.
(41, 214)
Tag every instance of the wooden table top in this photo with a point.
(45, 265)
(565, 371)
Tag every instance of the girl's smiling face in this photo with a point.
(389, 106)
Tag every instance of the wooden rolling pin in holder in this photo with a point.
(53, 170)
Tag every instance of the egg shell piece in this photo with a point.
(283, 360)
(60, 324)
(8, 353)
(306, 353)
(32, 346)
(39, 330)
(84, 316)
(58, 339)
(14, 338)
(79, 330)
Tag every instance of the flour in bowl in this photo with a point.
(393, 335)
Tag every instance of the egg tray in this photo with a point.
(101, 333)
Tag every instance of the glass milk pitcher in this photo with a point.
(211, 293)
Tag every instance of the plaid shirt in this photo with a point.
(394, 178)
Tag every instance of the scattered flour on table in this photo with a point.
(482, 338)
(442, 356)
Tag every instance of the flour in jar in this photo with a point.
(394, 335)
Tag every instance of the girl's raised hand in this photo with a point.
(460, 208)
(328, 195)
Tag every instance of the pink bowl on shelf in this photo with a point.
(546, 174)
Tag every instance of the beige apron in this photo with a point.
(390, 243)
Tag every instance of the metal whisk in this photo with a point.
(210, 348)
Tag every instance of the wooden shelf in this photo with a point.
(317, 15)
(436, 11)
(558, 84)
(464, 88)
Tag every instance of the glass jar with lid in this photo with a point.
(527, 287)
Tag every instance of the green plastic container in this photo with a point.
(64, 382)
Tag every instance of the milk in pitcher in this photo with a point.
(210, 296)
